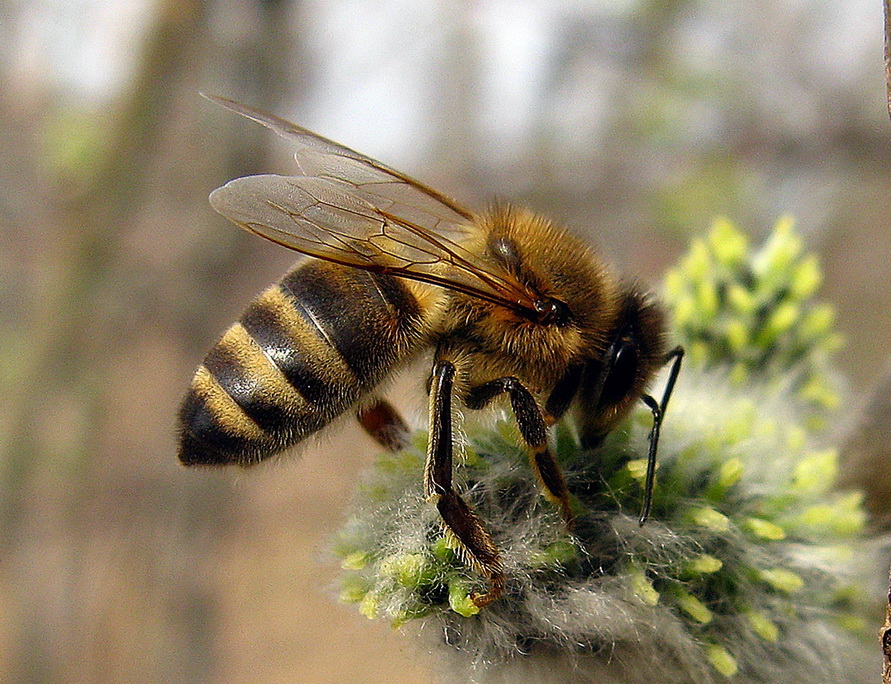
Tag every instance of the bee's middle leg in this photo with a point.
(382, 421)
(475, 542)
(533, 428)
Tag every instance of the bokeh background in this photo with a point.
(635, 122)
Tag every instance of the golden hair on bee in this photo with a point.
(559, 268)
(506, 302)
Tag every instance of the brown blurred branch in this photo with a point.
(885, 639)
(867, 449)
(89, 228)
(888, 51)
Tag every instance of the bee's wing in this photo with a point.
(349, 209)
(319, 156)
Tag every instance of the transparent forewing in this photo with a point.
(318, 156)
(346, 207)
(387, 192)
(320, 217)
(327, 219)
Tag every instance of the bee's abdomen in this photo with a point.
(303, 352)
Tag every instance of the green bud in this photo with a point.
(693, 607)
(709, 518)
(854, 519)
(369, 605)
(699, 352)
(721, 660)
(832, 342)
(730, 472)
(853, 623)
(780, 321)
(641, 587)
(796, 437)
(411, 613)
(675, 284)
(459, 599)
(728, 244)
(352, 589)
(685, 312)
(558, 553)
(762, 626)
(741, 300)
(706, 299)
(443, 551)
(844, 516)
(764, 529)
(816, 472)
(817, 391)
(355, 561)
(704, 565)
(817, 322)
(777, 256)
(470, 457)
(739, 373)
(697, 262)
(562, 552)
(637, 468)
(737, 335)
(817, 516)
(782, 580)
(408, 569)
(806, 279)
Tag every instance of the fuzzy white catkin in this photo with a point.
(597, 624)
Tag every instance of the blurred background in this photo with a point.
(634, 122)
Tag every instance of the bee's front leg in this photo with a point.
(675, 356)
(533, 428)
(474, 541)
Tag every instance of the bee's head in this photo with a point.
(635, 352)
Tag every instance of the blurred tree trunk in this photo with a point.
(105, 572)
(867, 451)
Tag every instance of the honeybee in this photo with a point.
(508, 302)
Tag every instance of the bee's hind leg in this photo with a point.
(382, 421)
(475, 543)
(533, 428)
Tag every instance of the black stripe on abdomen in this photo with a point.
(215, 430)
(267, 321)
(247, 390)
(362, 316)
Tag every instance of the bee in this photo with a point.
(508, 302)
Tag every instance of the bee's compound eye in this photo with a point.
(552, 312)
(622, 375)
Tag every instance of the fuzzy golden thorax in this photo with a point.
(495, 341)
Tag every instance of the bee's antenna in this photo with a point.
(658, 409)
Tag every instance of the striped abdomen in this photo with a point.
(305, 351)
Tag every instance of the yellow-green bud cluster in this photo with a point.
(755, 312)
